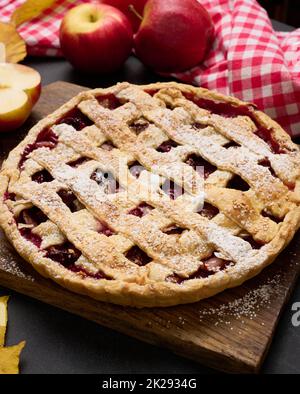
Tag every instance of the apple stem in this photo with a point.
(134, 11)
(93, 19)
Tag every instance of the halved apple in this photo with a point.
(15, 107)
(20, 88)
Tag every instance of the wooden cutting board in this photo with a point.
(231, 331)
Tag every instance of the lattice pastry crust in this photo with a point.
(76, 202)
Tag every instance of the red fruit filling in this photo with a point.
(214, 264)
(32, 216)
(266, 163)
(218, 107)
(76, 119)
(266, 135)
(78, 162)
(141, 210)
(238, 183)
(109, 101)
(46, 139)
(135, 169)
(290, 185)
(151, 92)
(173, 229)
(42, 176)
(108, 146)
(202, 166)
(85, 274)
(166, 146)
(208, 211)
(69, 198)
(66, 254)
(103, 228)
(198, 126)
(272, 217)
(254, 244)
(139, 126)
(106, 181)
(231, 144)
(33, 238)
(9, 196)
(230, 110)
(210, 267)
(172, 189)
(137, 256)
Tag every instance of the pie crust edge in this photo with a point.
(132, 294)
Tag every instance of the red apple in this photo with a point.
(20, 88)
(174, 35)
(125, 7)
(96, 38)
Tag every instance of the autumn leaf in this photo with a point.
(29, 10)
(10, 358)
(3, 319)
(15, 46)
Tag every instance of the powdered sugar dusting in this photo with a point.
(246, 307)
(9, 264)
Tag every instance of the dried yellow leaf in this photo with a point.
(3, 319)
(15, 46)
(29, 10)
(9, 359)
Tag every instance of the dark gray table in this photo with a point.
(58, 342)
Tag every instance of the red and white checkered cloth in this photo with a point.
(248, 59)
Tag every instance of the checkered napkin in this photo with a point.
(248, 59)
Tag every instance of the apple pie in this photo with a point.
(151, 195)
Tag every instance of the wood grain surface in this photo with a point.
(230, 332)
